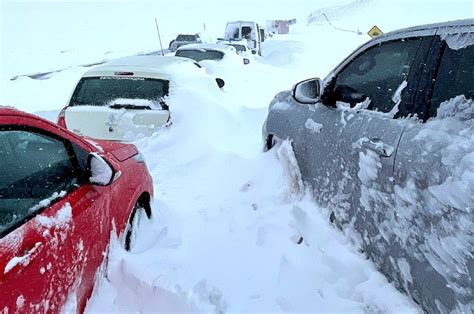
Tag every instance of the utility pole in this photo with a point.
(159, 36)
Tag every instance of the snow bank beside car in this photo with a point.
(233, 230)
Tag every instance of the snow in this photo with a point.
(23, 260)
(234, 229)
(313, 126)
(61, 218)
(369, 164)
(446, 188)
(20, 301)
(458, 107)
(46, 202)
(397, 98)
(458, 41)
(101, 172)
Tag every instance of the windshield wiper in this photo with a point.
(129, 106)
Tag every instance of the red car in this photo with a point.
(61, 197)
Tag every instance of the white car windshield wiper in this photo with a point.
(129, 106)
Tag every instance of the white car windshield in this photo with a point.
(200, 54)
(101, 91)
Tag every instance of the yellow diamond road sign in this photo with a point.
(374, 32)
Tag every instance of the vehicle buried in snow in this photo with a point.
(62, 197)
(250, 31)
(127, 98)
(184, 39)
(240, 46)
(385, 143)
(211, 52)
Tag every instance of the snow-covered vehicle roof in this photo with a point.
(240, 45)
(211, 52)
(434, 26)
(217, 47)
(151, 66)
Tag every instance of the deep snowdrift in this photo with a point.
(232, 229)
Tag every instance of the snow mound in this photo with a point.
(233, 230)
(338, 12)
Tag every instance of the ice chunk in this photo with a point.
(459, 107)
(458, 41)
(313, 126)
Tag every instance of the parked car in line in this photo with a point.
(213, 52)
(250, 31)
(240, 45)
(184, 39)
(61, 197)
(125, 98)
(385, 143)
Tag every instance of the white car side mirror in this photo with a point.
(101, 173)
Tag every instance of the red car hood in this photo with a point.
(121, 151)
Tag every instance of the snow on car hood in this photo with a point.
(120, 151)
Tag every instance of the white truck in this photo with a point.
(248, 30)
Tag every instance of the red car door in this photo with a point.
(54, 225)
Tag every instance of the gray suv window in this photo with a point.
(377, 73)
(455, 76)
(33, 168)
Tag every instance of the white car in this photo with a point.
(126, 98)
(240, 45)
(214, 52)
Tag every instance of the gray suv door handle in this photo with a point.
(378, 146)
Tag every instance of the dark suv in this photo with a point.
(184, 39)
(386, 144)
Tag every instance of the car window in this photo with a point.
(455, 76)
(239, 48)
(200, 54)
(377, 73)
(35, 168)
(186, 38)
(246, 31)
(103, 90)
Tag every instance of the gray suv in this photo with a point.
(184, 39)
(385, 143)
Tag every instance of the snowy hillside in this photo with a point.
(232, 228)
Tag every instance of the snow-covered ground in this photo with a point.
(232, 228)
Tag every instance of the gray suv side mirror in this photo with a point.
(307, 91)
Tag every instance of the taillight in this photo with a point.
(62, 117)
